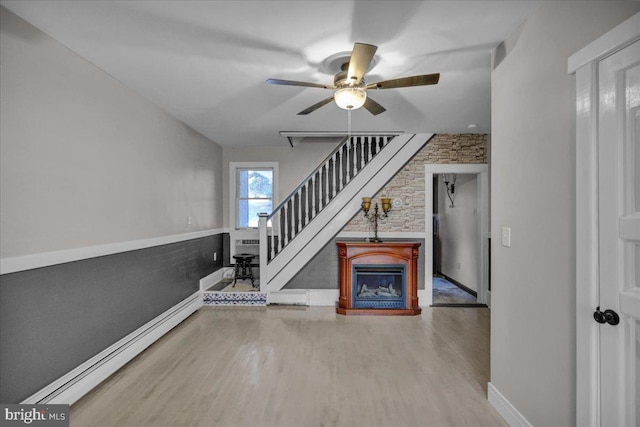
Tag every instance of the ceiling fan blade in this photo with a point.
(296, 83)
(373, 107)
(361, 57)
(425, 79)
(314, 107)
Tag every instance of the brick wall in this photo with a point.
(408, 184)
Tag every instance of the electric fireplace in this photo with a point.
(378, 278)
(378, 286)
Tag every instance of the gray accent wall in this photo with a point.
(54, 318)
(321, 272)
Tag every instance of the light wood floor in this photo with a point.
(307, 366)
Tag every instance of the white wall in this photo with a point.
(294, 164)
(533, 192)
(459, 231)
(85, 161)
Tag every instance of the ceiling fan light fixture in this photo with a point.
(350, 98)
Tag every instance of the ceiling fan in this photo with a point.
(350, 87)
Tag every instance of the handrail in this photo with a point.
(308, 177)
(317, 190)
(321, 165)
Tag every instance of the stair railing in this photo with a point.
(317, 190)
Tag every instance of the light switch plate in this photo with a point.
(506, 237)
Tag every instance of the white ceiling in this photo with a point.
(205, 62)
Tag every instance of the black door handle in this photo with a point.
(608, 316)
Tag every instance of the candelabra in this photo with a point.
(374, 216)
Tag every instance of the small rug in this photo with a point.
(445, 292)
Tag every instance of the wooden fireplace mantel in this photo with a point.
(367, 253)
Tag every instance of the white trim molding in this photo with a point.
(71, 387)
(323, 297)
(289, 297)
(308, 297)
(233, 167)
(511, 415)
(424, 299)
(616, 39)
(471, 168)
(45, 259)
(585, 64)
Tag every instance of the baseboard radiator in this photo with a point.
(71, 387)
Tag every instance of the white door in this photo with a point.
(619, 236)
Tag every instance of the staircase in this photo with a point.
(327, 200)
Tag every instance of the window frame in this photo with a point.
(233, 187)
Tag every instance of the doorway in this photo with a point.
(455, 240)
(472, 172)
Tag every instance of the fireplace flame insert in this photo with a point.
(378, 286)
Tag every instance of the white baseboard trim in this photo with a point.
(78, 382)
(309, 297)
(45, 259)
(323, 297)
(511, 415)
(289, 297)
(425, 299)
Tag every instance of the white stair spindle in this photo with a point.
(275, 223)
(313, 196)
(273, 239)
(339, 169)
(349, 162)
(292, 217)
(300, 210)
(334, 175)
(327, 196)
(307, 202)
(354, 147)
(362, 158)
(345, 159)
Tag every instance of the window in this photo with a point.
(252, 192)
